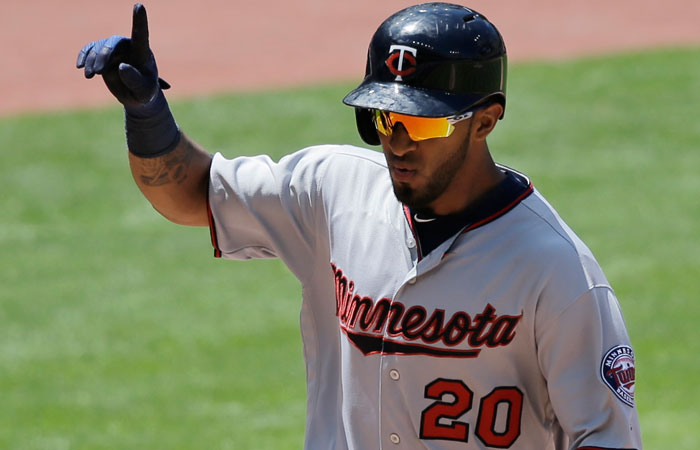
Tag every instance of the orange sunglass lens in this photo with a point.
(418, 128)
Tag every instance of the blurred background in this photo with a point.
(119, 330)
(217, 45)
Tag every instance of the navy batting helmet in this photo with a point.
(430, 60)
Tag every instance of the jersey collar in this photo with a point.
(431, 231)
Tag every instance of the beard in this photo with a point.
(420, 198)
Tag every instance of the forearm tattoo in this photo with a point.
(171, 168)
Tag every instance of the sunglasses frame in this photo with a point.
(389, 124)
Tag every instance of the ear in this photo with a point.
(485, 120)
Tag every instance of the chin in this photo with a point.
(410, 197)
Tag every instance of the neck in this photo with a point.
(478, 175)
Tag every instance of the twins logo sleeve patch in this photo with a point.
(617, 371)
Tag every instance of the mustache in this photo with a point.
(409, 157)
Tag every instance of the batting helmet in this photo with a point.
(430, 60)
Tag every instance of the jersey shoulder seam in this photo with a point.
(339, 151)
(580, 296)
(566, 238)
(346, 150)
(591, 282)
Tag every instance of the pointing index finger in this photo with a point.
(139, 31)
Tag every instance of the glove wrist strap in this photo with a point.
(151, 130)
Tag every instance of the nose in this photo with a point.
(400, 142)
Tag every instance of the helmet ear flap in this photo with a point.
(365, 126)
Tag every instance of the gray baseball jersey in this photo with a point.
(506, 335)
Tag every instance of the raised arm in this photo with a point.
(176, 184)
(169, 168)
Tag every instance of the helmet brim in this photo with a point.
(405, 99)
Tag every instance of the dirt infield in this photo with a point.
(217, 45)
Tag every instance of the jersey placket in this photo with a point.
(393, 420)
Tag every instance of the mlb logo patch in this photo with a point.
(617, 371)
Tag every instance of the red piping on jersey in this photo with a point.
(407, 213)
(491, 218)
(498, 214)
(212, 231)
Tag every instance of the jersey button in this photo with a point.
(411, 242)
(395, 438)
(394, 374)
(412, 281)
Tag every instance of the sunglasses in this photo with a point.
(418, 128)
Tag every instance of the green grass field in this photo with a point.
(119, 330)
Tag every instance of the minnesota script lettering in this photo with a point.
(388, 327)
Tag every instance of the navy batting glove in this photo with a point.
(129, 70)
(127, 65)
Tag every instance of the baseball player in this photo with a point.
(446, 305)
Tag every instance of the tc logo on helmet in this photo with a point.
(401, 61)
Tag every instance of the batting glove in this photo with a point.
(129, 70)
(127, 65)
